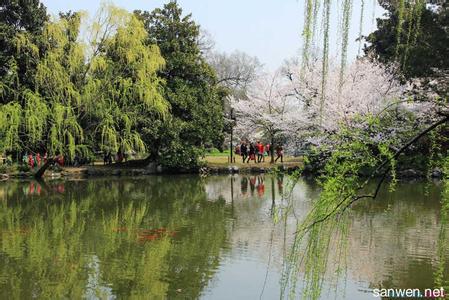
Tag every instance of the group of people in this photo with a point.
(38, 160)
(34, 160)
(257, 151)
(120, 157)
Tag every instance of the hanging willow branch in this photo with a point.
(346, 204)
(414, 25)
(307, 32)
(325, 65)
(362, 14)
(347, 9)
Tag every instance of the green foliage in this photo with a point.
(56, 237)
(123, 84)
(347, 10)
(21, 23)
(414, 36)
(362, 15)
(326, 221)
(325, 61)
(342, 186)
(386, 152)
(307, 32)
(10, 120)
(83, 97)
(196, 104)
(128, 84)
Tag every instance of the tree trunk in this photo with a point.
(44, 168)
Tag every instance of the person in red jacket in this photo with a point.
(38, 159)
(60, 159)
(31, 161)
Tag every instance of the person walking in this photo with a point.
(243, 151)
(256, 152)
(279, 153)
(252, 152)
(260, 152)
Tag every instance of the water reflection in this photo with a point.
(128, 238)
(398, 237)
(187, 237)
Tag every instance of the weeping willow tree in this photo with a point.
(45, 119)
(121, 80)
(90, 90)
(322, 235)
(53, 115)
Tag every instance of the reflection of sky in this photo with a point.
(257, 246)
(232, 282)
(94, 288)
(390, 245)
(268, 29)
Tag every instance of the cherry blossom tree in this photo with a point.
(291, 105)
(268, 110)
(365, 88)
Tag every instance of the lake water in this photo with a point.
(186, 237)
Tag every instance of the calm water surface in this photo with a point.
(185, 237)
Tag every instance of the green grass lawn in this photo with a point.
(216, 152)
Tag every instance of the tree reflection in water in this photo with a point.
(83, 239)
(167, 237)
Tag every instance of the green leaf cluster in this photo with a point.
(125, 82)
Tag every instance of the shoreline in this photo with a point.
(108, 171)
(86, 172)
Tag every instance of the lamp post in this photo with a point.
(232, 117)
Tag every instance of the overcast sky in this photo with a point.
(268, 29)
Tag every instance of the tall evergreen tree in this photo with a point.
(420, 45)
(190, 87)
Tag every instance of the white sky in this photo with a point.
(268, 29)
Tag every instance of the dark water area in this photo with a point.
(186, 237)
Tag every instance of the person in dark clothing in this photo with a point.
(252, 152)
(279, 153)
(107, 159)
(256, 152)
(243, 151)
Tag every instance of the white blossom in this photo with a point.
(268, 110)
